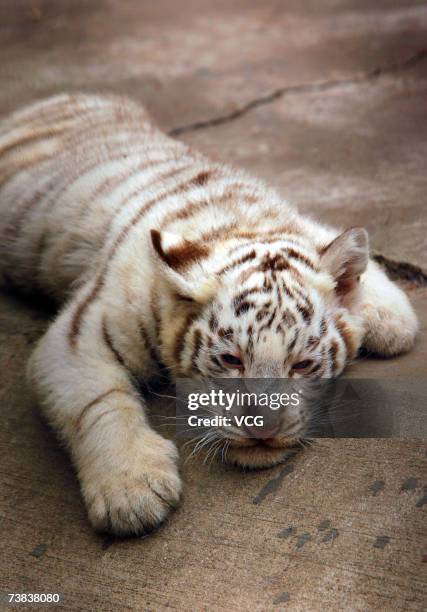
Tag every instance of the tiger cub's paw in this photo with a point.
(390, 331)
(133, 496)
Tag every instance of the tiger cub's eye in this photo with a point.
(231, 361)
(302, 365)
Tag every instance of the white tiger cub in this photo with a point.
(166, 260)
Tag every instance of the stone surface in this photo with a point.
(192, 62)
(326, 100)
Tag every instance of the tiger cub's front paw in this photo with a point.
(134, 494)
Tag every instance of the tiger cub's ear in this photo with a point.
(175, 255)
(346, 258)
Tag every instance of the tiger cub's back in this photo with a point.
(64, 163)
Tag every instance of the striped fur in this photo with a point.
(165, 260)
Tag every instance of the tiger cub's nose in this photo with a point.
(261, 432)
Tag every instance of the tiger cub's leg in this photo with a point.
(390, 321)
(128, 472)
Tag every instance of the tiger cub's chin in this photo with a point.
(259, 455)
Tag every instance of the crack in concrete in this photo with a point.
(374, 74)
(402, 270)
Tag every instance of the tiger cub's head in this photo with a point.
(273, 308)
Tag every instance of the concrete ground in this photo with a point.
(327, 99)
